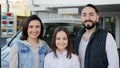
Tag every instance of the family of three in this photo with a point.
(93, 46)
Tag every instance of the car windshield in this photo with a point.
(49, 29)
(15, 38)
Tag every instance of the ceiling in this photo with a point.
(109, 8)
(101, 8)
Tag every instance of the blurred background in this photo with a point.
(53, 13)
(14, 12)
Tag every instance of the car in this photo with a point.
(73, 25)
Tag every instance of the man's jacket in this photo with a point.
(95, 55)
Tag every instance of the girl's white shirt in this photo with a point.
(61, 61)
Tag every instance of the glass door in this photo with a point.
(108, 23)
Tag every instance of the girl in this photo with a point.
(30, 50)
(63, 55)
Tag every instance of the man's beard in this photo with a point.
(93, 24)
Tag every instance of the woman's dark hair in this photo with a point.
(25, 27)
(69, 48)
(92, 6)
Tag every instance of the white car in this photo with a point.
(73, 25)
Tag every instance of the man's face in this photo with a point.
(89, 17)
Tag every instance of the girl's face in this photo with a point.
(61, 40)
(34, 29)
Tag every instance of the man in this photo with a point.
(96, 47)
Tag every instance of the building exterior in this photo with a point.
(109, 12)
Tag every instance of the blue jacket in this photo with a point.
(26, 56)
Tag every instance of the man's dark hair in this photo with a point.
(92, 6)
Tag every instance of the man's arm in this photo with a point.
(112, 53)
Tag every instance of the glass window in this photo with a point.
(108, 23)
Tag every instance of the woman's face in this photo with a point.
(61, 40)
(34, 29)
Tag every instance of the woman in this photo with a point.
(30, 50)
(63, 55)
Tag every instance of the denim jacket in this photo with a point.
(26, 56)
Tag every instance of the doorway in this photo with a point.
(108, 23)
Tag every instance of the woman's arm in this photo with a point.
(13, 57)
